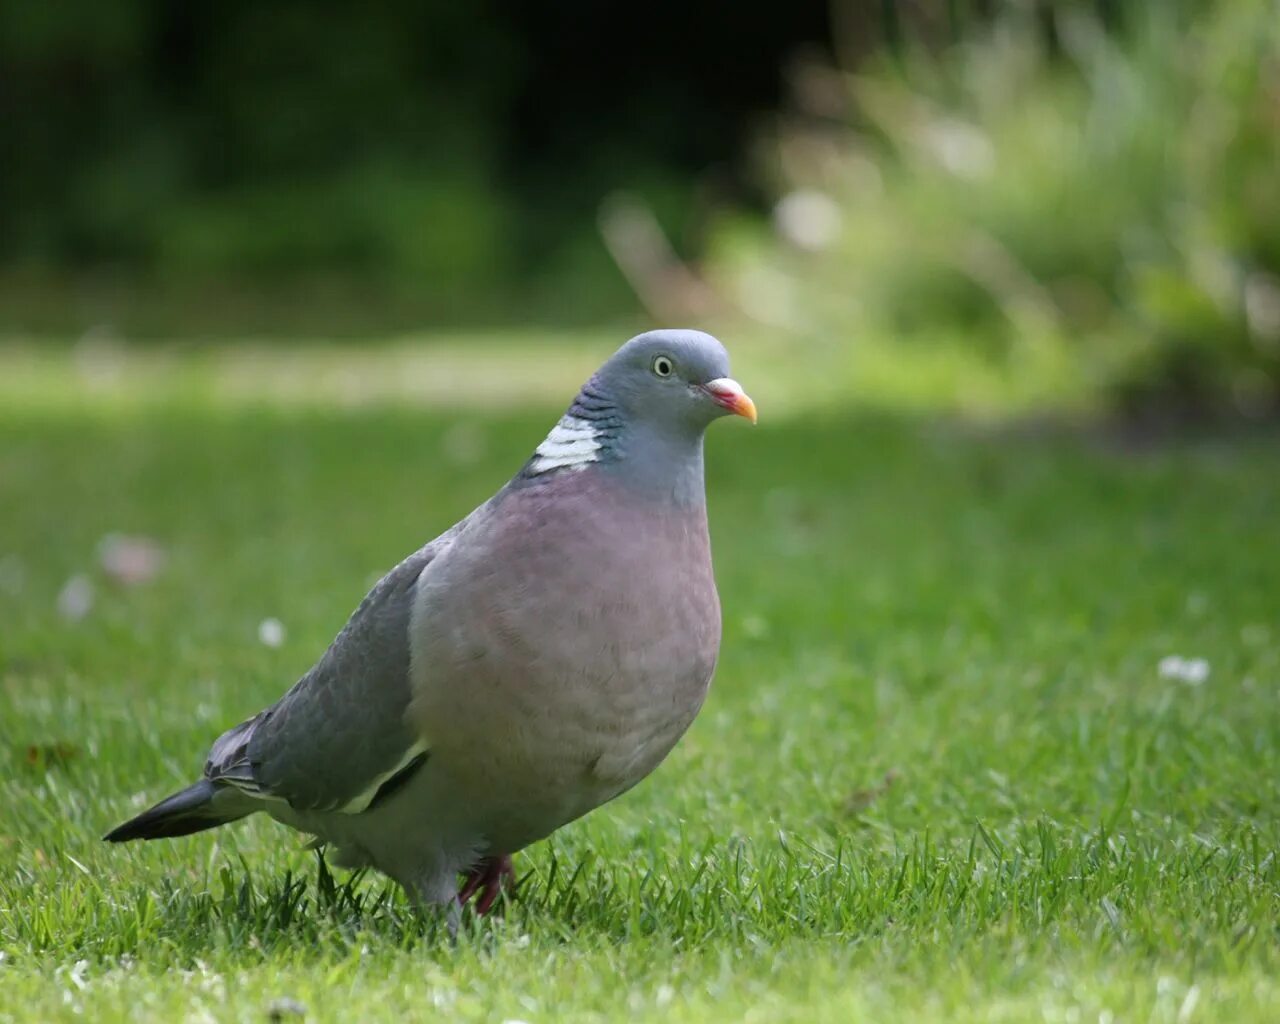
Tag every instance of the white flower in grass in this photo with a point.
(78, 974)
(1192, 671)
(271, 632)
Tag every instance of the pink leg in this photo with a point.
(488, 879)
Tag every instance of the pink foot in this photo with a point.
(488, 878)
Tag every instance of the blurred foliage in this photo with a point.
(1094, 205)
(441, 154)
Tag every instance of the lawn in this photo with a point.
(941, 774)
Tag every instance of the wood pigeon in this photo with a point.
(531, 663)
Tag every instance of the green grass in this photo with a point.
(975, 617)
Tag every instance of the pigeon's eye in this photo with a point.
(663, 366)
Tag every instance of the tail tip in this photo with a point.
(119, 834)
(181, 814)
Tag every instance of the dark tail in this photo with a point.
(194, 809)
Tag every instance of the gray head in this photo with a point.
(673, 380)
(643, 413)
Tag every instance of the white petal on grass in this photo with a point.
(1192, 671)
(78, 973)
(75, 599)
(271, 632)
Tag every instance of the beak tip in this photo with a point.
(743, 406)
(728, 394)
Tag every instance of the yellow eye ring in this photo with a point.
(663, 366)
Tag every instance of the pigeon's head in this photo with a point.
(675, 378)
(641, 415)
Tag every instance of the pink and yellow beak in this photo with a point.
(728, 393)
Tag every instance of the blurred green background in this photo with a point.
(1035, 205)
(404, 162)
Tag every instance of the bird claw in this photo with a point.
(488, 878)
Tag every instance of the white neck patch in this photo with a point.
(572, 444)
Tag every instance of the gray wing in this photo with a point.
(339, 736)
